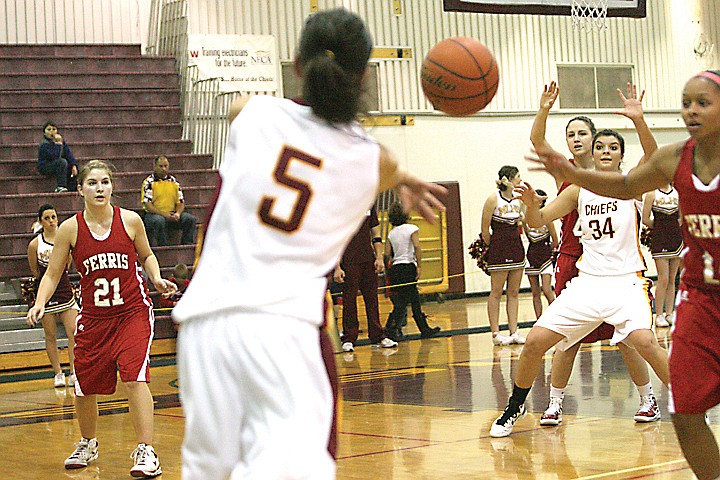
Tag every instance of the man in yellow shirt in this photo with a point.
(164, 206)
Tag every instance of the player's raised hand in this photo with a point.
(528, 195)
(549, 95)
(632, 103)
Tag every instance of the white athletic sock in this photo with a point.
(557, 392)
(645, 390)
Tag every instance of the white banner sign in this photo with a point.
(246, 63)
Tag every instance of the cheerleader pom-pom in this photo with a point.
(645, 236)
(479, 252)
(28, 290)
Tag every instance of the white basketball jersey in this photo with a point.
(294, 191)
(609, 238)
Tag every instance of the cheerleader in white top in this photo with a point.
(256, 380)
(609, 288)
(661, 213)
(541, 243)
(62, 305)
(500, 230)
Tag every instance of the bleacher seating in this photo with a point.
(109, 102)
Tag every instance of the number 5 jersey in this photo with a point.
(111, 280)
(294, 191)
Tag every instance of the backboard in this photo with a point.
(616, 8)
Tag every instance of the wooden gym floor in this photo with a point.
(419, 411)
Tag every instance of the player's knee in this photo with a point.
(644, 342)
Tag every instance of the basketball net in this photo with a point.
(589, 15)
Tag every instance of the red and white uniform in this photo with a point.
(666, 238)
(695, 352)
(294, 191)
(115, 324)
(570, 248)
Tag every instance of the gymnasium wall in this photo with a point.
(471, 150)
(74, 21)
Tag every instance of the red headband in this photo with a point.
(711, 75)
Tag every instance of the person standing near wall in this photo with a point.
(62, 305)
(661, 213)
(501, 219)
(358, 269)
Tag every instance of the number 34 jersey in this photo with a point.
(610, 237)
(294, 190)
(111, 280)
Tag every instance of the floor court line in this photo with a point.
(637, 469)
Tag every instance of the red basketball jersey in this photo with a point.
(569, 242)
(700, 208)
(111, 279)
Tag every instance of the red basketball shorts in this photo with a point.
(565, 270)
(108, 345)
(695, 352)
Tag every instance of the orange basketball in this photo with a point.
(459, 76)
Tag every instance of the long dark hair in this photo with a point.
(332, 57)
(43, 208)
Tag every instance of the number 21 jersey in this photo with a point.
(111, 280)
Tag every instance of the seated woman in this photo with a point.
(56, 160)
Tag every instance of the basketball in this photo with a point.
(459, 76)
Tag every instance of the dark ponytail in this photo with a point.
(334, 50)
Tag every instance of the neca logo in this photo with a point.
(261, 58)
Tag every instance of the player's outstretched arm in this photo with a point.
(656, 172)
(539, 126)
(632, 109)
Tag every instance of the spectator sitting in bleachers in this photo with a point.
(164, 205)
(181, 278)
(56, 160)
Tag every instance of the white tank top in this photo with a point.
(294, 191)
(507, 211)
(610, 235)
(44, 250)
(400, 238)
